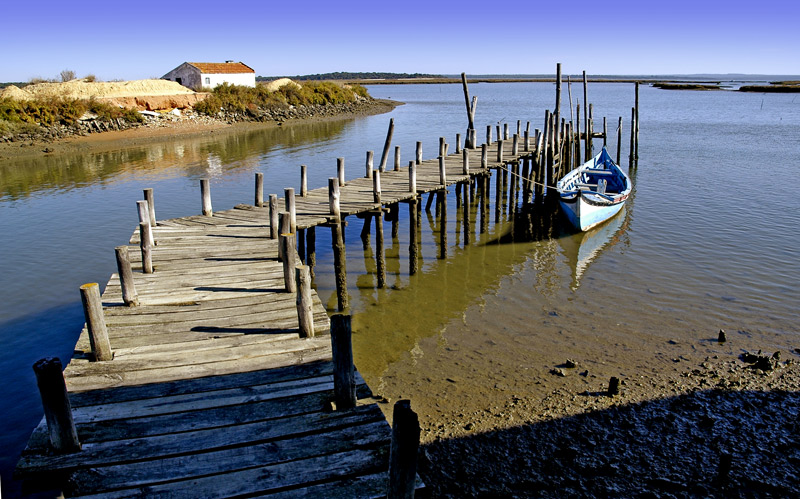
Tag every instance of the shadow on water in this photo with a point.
(710, 443)
(219, 152)
(58, 328)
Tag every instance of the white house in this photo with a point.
(196, 75)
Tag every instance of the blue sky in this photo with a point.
(144, 39)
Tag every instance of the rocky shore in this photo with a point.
(90, 129)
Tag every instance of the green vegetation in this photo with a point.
(20, 116)
(235, 98)
(354, 76)
(773, 88)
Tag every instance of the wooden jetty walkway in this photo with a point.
(210, 368)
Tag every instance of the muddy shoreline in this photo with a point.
(169, 129)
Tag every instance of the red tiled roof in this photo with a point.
(222, 67)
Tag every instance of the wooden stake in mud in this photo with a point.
(465, 206)
(386, 146)
(340, 170)
(413, 243)
(403, 451)
(259, 194)
(205, 193)
(151, 205)
(95, 322)
(305, 311)
(146, 246)
(379, 251)
(344, 378)
(57, 408)
(125, 273)
(273, 216)
(303, 180)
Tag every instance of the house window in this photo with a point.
(208, 80)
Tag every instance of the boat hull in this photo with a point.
(584, 215)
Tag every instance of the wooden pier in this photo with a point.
(210, 368)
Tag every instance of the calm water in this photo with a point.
(708, 241)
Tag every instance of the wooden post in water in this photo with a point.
(403, 451)
(289, 262)
(488, 134)
(337, 241)
(340, 170)
(303, 181)
(558, 93)
(301, 245)
(605, 132)
(586, 151)
(344, 377)
(470, 112)
(500, 151)
(144, 217)
(499, 133)
(619, 139)
(578, 129)
(498, 184)
(376, 186)
(311, 249)
(151, 205)
(288, 194)
(284, 224)
(379, 251)
(125, 273)
(368, 165)
(259, 194)
(205, 193)
(465, 161)
(333, 197)
(515, 146)
(273, 216)
(419, 153)
(632, 153)
(590, 133)
(458, 143)
(484, 156)
(146, 245)
(386, 146)
(305, 304)
(527, 144)
(636, 140)
(95, 321)
(441, 200)
(397, 158)
(412, 177)
(442, 171)
(57, 409)
(466, 211)
(413, 243)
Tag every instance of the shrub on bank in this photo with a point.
(241, 99)
(47, 112)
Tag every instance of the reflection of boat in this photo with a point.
(581, 248)
(593, 192)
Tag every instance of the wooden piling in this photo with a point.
(419, 153)
(205, 193)
(151, 205)
(441, 202)
(470, 109)
(273, 216)
(578, 129)
(386, 146)
(499, 134)
(488, 134)
(500, 151)
(403, 451)
(144, 217)
(458, 143)
(368, 165)
(413, 243)
(57, 409)
(339, 263)
(376, 186)
(558, 92)
(379, 251)
(465, 206)
(95, 322)
(527, 143)
(442, 171)
(146, 246)
(289, 262)
(619, 139)
(301, 246)
(586, 151)
(333, 197)
(305, 304)
(515, 145)
(284, 224)
(505, 131)
(397, 158)
(484, 157)
(288, 195)
(636, 139)
(465, 161)
(259, 194)
(303, 180)
(129, 295)
(632, 151)
(311, 249)
(344, 378)
(340, 170)
(412, 177)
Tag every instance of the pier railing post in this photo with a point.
(419, 153)
(144, 217)
(397, 158)
(205, 193)
(95, 321)
(57, 409)
(344, 378)
(515, 146)
(146, 246)
(151, 205)
(484, 156)
(129, 295)
(284, 224)
(488, 134)
(259, 193)
(305, 310)
(412, 177)
(376, 186)
(442, 171)
(403, 453)
(370, 156)
(288, 247)
(340, 170)
(288, 195)
(619, 140)
(458, 143)
(303, 181)
(465, 161)
(273, 216)
(386, 146)
(311, 249)
(333, 197)
(500, 151)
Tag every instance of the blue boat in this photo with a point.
(594, 192)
